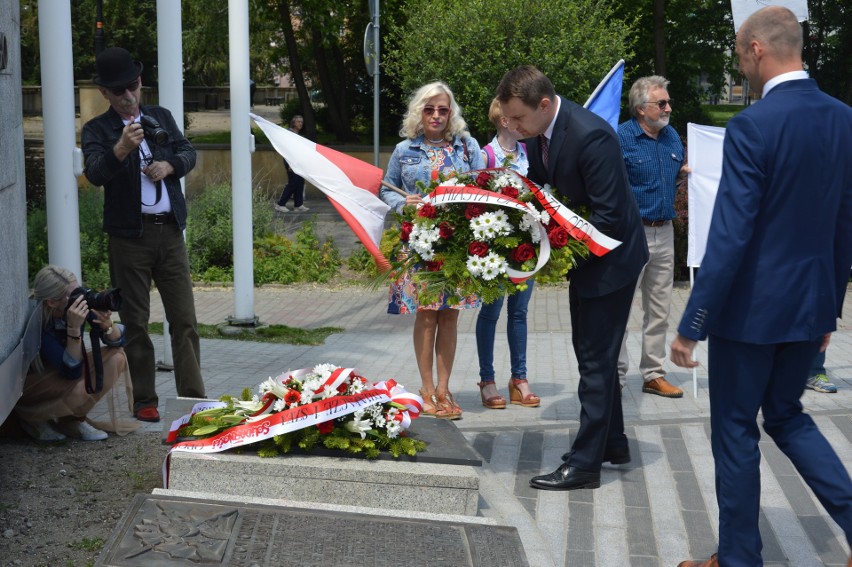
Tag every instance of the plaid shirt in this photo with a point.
(652, 168)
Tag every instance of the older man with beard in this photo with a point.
(655, 162)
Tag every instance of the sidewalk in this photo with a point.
(658, 510)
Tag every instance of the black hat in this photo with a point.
(114, 67)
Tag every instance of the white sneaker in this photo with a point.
(302, 209)
(281, 208)
(42, 431)
(82, 430)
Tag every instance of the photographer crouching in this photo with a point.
(138, 154)
(64, 381)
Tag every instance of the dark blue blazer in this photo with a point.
(586, 166)
(779, 248)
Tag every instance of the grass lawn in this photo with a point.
(721, 113)
(269, 334)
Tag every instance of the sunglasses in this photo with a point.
(442, 110)
(661, 104)
(132, 86)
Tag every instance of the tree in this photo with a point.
(685, 41)
(828, 47)
(470, 45)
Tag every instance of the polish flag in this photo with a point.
(350, 184)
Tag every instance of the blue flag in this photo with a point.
(606, 100)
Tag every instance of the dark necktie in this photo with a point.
(543, 143)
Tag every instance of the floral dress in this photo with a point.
(404, 292)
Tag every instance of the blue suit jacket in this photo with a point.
(780, 243)
(586, 166)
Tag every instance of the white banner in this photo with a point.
(705, 161)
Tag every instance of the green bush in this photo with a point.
(279, 260)
(209, 227)
(93, 240)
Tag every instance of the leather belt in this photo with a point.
(161, 218)
(655, 223)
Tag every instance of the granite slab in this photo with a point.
(167, 531)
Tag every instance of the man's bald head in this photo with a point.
(777, 29)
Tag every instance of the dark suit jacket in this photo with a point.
(585, 165)
(780, 243)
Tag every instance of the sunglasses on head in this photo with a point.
(132, 86)
(442, 110)
(662, 104)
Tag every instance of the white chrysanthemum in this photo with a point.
(279, 405)
(450, 181)
(329, 392)
(307, 397)
(356, 387)
(475, 265)
(323, 371)
(506, 179)
(494, 266)
(393, 428)
(545, 217)
(489, 226)
(311, 384)
(421, 239)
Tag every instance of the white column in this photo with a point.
(60, 133)
(241, 144)
(170, 82)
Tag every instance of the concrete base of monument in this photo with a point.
(172, 528)
(441, 480)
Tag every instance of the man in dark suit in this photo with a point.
(772, 281)
(577, 152)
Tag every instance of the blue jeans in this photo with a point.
(818, 365)
(516, 332)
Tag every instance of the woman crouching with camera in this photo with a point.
(55, 400)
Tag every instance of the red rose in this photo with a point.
(292, 397)
(434, 265)
(477, 248)
(326, 427)
(446, 230)
(523, 253)
(558, 237)
(405, 231)
(510, 191)
(482, 179)
(427, 211)
(473, 210)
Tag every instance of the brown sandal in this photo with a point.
(450, 408)
(492, 402)
(528, 401)
(434, 408)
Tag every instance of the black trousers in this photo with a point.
(597, 329)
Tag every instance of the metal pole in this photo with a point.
(241, 142)
(376, 91)
(60, 134)
(170, 83)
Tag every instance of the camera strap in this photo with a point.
(96, 385)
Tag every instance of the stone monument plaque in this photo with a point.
(162, 531)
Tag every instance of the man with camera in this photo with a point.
(138, 154)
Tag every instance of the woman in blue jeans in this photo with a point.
(505, 151)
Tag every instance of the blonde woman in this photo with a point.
(436, 141)
(55, 403)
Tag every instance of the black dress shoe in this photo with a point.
(566, 478)
(616, 455)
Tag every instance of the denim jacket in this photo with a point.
(121, 179)
(409, 164)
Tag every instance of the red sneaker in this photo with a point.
(149, 413)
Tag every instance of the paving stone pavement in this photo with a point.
(657, 510)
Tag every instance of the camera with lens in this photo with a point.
(109, 300)
(154, 133)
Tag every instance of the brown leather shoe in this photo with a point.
(712, 562)
(660, 387)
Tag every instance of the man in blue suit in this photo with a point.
(772, 281)
(577, 152)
